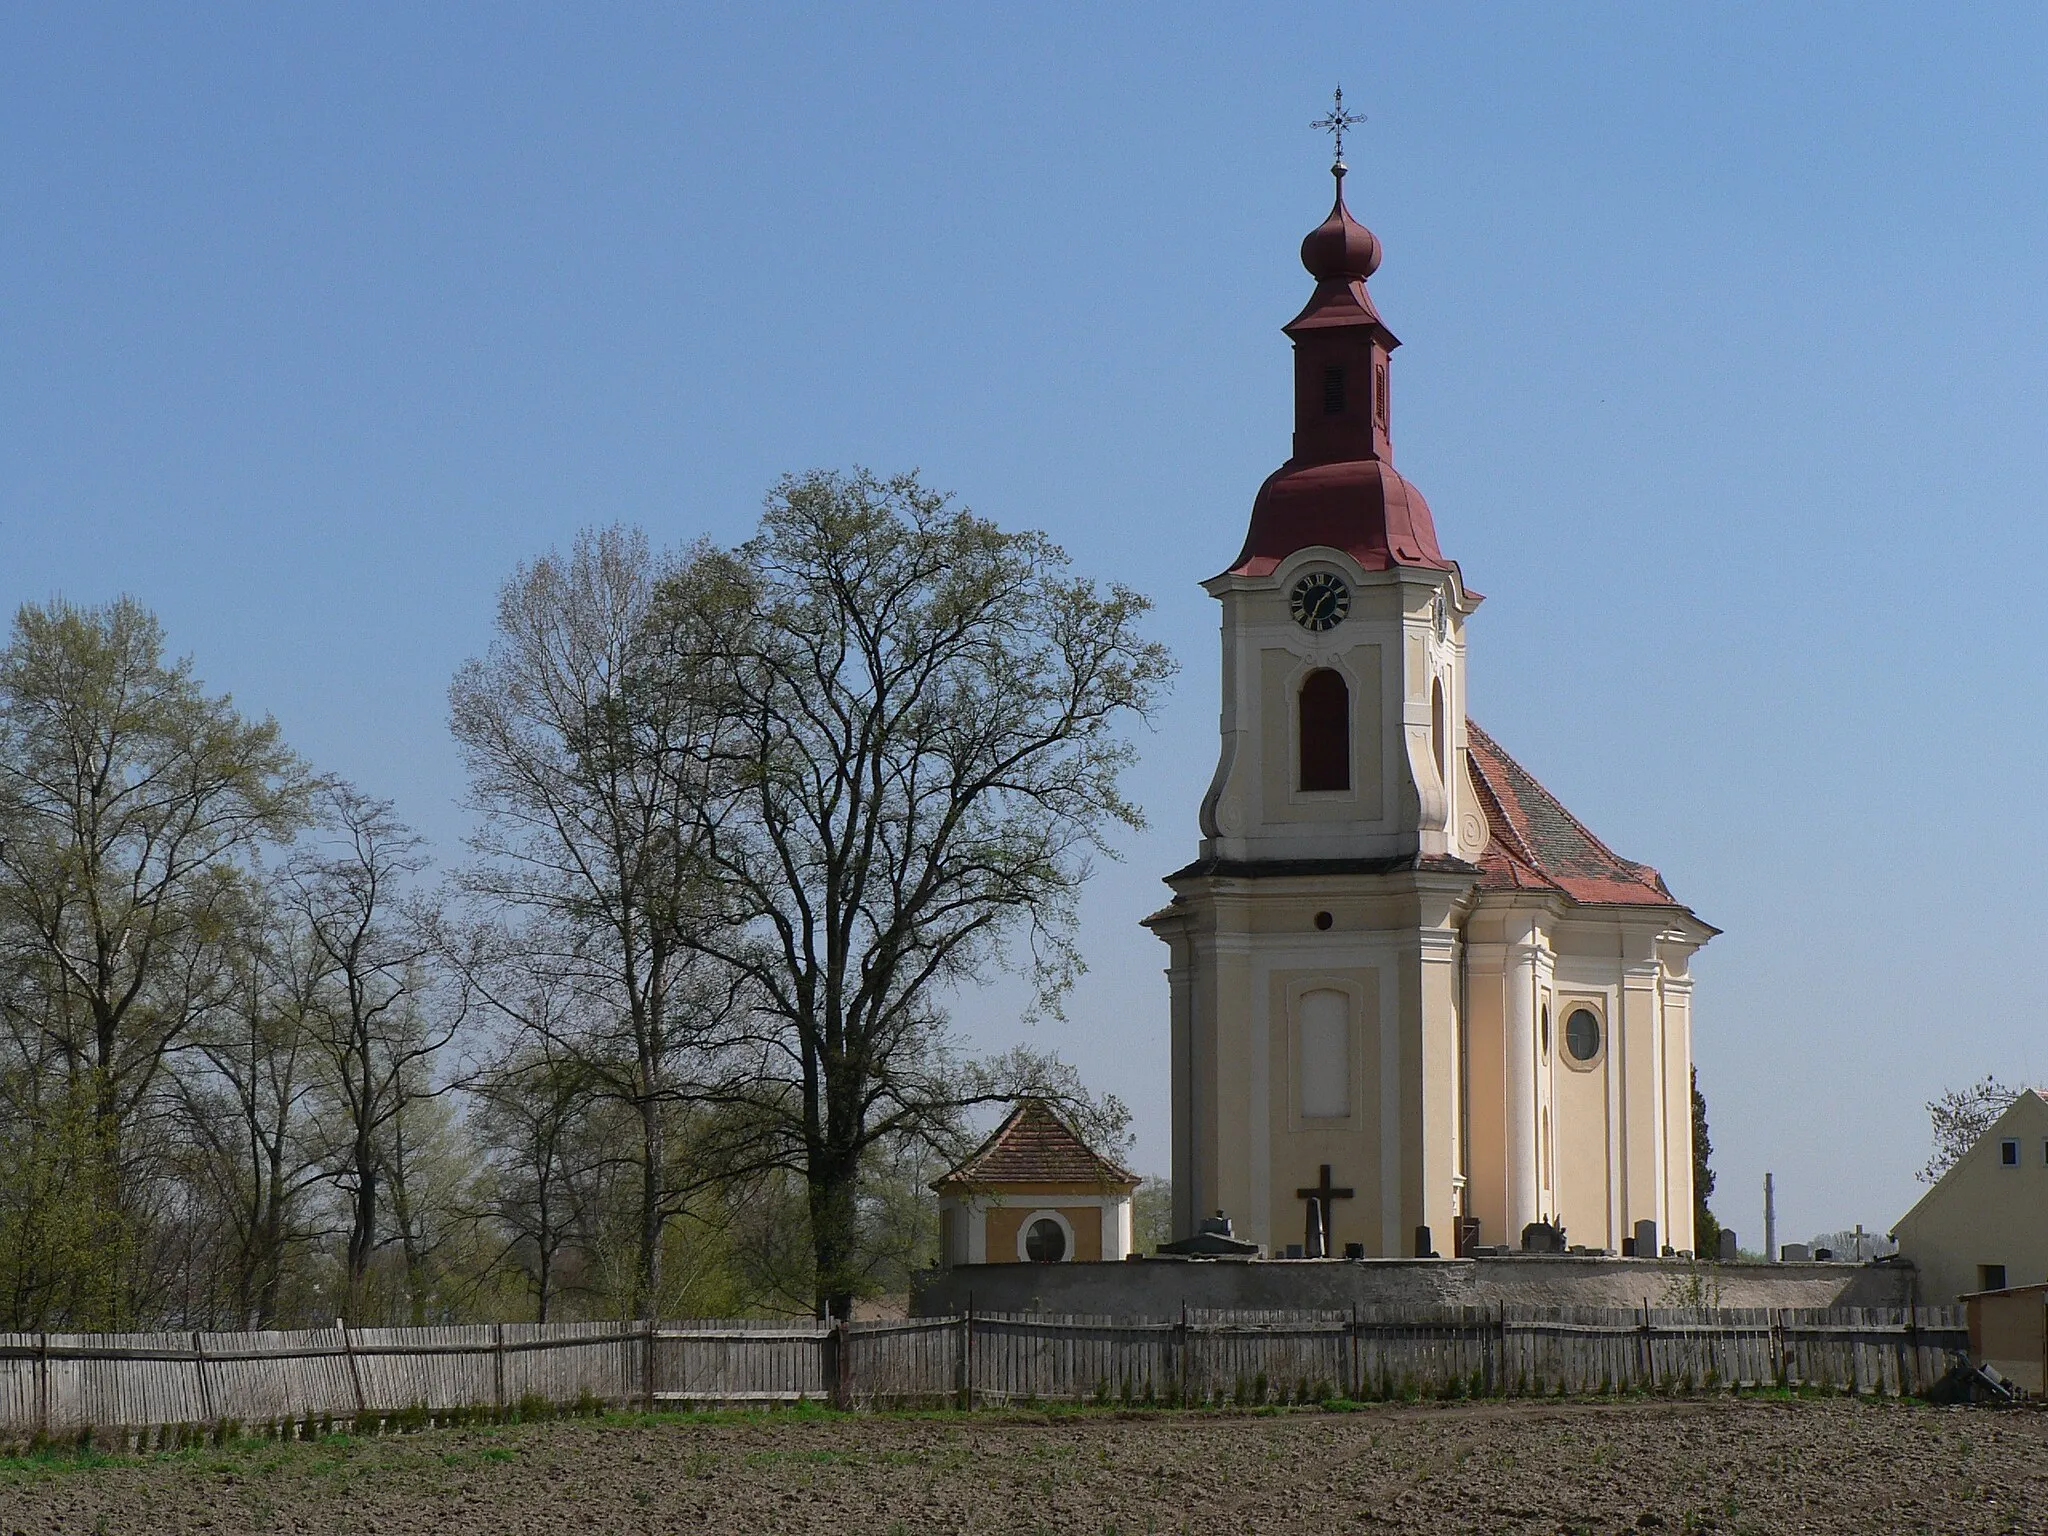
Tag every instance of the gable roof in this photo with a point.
(1035, 1146)
(2028, 1103)
(1539, 845)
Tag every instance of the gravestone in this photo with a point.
(1795, 1253)
(1542, 1237)
(1646, 1239)
(1731, 1251)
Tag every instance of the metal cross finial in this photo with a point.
(1337, 121)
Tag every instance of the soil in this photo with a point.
(1730, 1465)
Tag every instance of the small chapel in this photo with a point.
(1418, 1007)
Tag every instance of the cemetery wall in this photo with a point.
(1159, 1287)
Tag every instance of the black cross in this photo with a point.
(1337, 121)
(1319, 1199)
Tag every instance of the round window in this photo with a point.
(1046, 1242)
(1582, 1034)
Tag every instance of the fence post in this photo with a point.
(1649, 1354)
(1777, 1347)
(498, 1366)
(647, 1369)
(839, 1364)
(1180, 1353)
(1356, 1390)
(355, 1371)
(966, 1381)
(199, 1370)
(43, 1385)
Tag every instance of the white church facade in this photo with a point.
(1416, 1004)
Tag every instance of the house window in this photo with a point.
(1990, 1277)
(1046, 1242)
(2009, 1154)
(1333, 391)
(1325, 731)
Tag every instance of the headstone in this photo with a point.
(1293, 1251)
(1423, 1249)
(1354, 1250)
(1212, 1239)
(1823, 1255)
(1628, 1247)
(1646, 1239)
(1542, 1237)
(1795, 1253)
(1731, 1250)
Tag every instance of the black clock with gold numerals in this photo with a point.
(1320, 601)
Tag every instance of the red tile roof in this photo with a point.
(1035, 1146)
(1538, 845)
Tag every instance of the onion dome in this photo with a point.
(1340, 249)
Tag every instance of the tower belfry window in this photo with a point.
(1333, 391)
(1325, 740)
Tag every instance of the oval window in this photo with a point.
(1582, 1034)
(1046, 1242)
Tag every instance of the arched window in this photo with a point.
(1325, 731)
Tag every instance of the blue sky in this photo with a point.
(1724, 375)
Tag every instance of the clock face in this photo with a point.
(1320, 601)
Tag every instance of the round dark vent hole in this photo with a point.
(1323, 920)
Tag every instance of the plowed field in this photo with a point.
(1708, 1465)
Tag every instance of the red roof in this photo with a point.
(1035, 1146)
(1538, 845)
(1361, 506)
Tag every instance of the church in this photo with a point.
(1417, 1005)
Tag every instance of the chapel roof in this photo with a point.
(1538, 845)
(1035, 1146)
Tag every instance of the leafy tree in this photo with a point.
(1959, 1118)
(1706, 1230)
(915, 751)
(1152, 1214)
(129, 801)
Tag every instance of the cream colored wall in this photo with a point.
(1282, 672)
(1983, 1213)
(1620, 1127)
(981, 1227)
(1245, 953)
(1390, 654)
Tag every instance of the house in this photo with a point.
(1984, 1226)
(1034, 1193)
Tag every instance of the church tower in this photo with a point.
(1386, 911)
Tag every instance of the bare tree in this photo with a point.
(533, 1123)
(587, 770)
(249, 1114)
(916, 754)
(372, 1021)
(1959, 1118)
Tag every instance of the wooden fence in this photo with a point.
(57, 1384)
